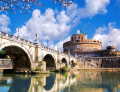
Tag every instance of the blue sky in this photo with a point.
(99, 19)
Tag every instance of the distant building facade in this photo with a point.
(79, 44)
(110, 51)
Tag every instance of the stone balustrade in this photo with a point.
(3, 34)
(26, 41)
(49, 49)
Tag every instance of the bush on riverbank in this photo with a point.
(74, 64)
(64, 69)
(37, 69)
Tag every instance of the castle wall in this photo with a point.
(80, 44)
(104, 62)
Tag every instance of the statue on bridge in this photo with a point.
(37, 41)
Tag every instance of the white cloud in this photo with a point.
(100, 30)
(78, 31)
(45, 43)
(51, 44)
(47, 26)
(60, 44)
(4, 23)
(112, 37)
(92, 8)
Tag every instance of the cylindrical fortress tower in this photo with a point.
(80, 44)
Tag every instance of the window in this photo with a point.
(82, 38)
(77, 40)
(72, 38)
(77, 45)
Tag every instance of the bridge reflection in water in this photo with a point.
(82, 81)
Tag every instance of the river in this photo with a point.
(79, 81)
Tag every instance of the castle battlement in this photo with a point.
(80, 44)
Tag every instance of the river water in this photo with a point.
(80, 81)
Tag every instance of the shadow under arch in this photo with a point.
(50, 82)
(72, 62)
(64, 61)
(20, 59)
(50, 62)
(20, 84)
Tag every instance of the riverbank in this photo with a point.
(100, 69)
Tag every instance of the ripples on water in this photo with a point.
(82, 81)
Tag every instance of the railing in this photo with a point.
(49, 49)
(15, 37)
(26, 41)
(5, 64)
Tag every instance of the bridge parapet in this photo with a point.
(73, 57)
(49, 49)
(64, 54)
(67, 55)
(13, 37)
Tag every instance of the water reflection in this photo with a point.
(82, 81)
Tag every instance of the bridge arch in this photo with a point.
(72, 62)
(50, 82)
(19, 56)
(64, 60)
(50, 62)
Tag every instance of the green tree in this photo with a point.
(3, 55)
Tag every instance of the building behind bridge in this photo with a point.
(79, 44)
(83, 47)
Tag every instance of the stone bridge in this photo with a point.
(27, 55)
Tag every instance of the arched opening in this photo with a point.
(50, 62)
(19, 58)
(64, 61)
(50, 81)
(72, 63)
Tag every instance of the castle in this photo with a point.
(79, 44)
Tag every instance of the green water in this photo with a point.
(82, 81)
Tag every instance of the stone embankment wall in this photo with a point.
(110, 63)
(5, 64)
(99, 62)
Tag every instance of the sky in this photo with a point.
(99, 19)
